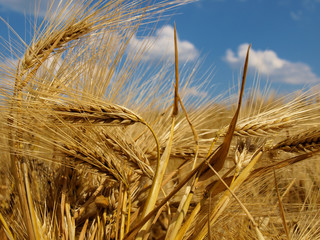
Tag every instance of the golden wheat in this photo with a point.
(302, 142)
(88, 151)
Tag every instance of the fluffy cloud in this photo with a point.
(296, 15)
(25, 6)
(33, 7)
(195, 92)
(162, 45)
(269, 64)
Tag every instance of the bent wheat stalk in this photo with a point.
(107, 114)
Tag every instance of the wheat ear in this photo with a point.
(302, 142)
(263, 128)
(110, 114)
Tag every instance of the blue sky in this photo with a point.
(284, 34)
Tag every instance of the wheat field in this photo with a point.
(94, 146)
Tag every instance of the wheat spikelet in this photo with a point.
(263, 128)
(110, 114)
(71, 27)
(127, 149)
(72, 24)
(274, 119)
(38, 50)
(95, 159)
(107, 151)
(302, 142)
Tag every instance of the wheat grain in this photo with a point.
(110, 114)
(129, 151)
(302, 142)
(37, 51)
(263, 128)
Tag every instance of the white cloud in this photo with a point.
(296, 15)
(162, 45)
(26, 6)
(195, 92)
(267, 63)
(201, 3)
(36, 7)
